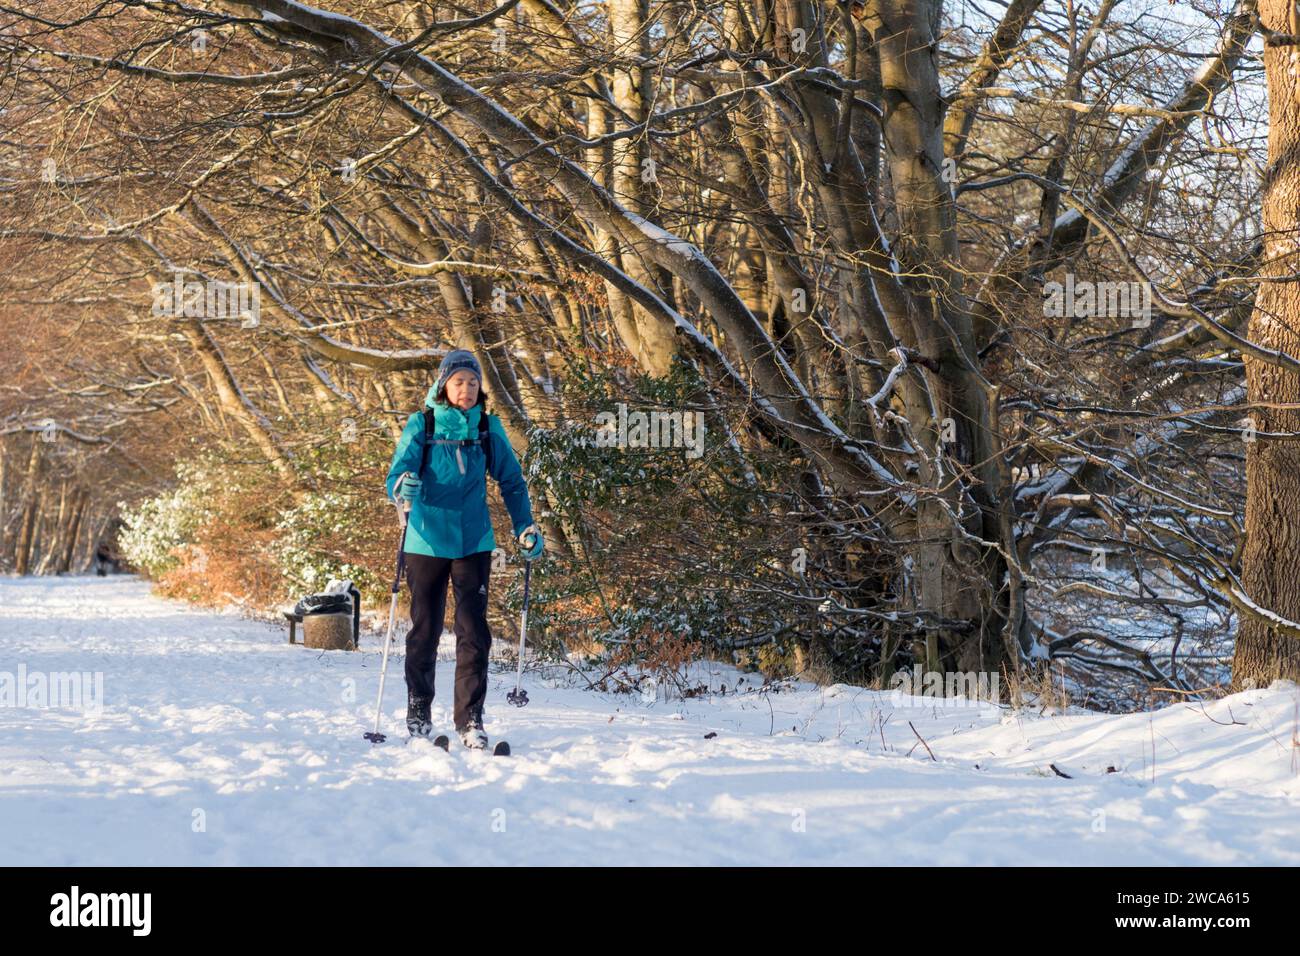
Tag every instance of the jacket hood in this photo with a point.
(450, 422)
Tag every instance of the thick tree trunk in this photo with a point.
(1271, 558)
(955, 582)
(629, 24)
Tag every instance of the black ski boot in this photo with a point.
(473, 736)
(418, 721)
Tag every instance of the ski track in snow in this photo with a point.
(213, 712)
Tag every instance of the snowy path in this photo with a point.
(219, 743)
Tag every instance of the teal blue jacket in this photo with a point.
(449, 518)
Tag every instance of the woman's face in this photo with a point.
(462, 389)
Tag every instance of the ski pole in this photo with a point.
(404, 510)
(519, 697)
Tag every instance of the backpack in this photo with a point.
(483, 439)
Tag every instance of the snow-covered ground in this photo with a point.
(217, 742)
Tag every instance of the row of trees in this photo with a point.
(51, 524)
(975, 299)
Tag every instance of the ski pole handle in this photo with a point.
(404, 519)
(528, 539)
(403, 505)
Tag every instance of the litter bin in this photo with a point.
(330, 621)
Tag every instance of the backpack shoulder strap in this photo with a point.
(485, 437)
(428, 440)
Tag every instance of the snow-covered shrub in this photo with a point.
(311, 538)
(232, 530)
(157, 529)
(680, 560)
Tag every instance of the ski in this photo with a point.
(442, 741)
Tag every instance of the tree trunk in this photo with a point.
(31, 498)
(4, 506)
(1271, 558)
(51, 537)
(73, 531)
(234, 402)
(629, 23)
(954, 581)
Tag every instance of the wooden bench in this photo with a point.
(294, 620)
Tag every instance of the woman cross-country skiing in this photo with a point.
(443, 473)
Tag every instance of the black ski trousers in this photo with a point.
(427, 577)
